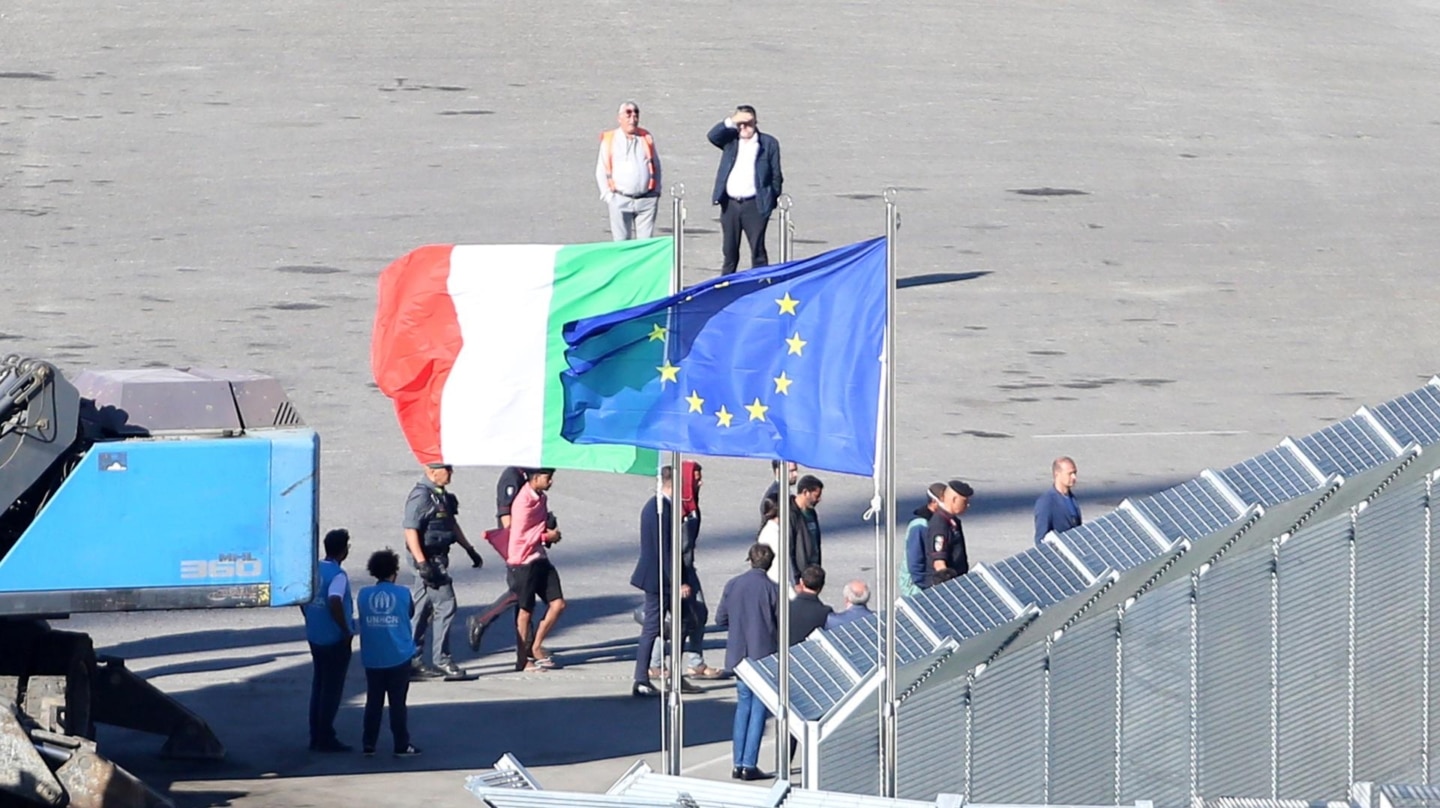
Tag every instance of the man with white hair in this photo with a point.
(857, 595)
(627, 171)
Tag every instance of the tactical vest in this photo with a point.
(438, 524)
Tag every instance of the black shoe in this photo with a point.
(687, 686)
(410, 750)
(474, 631)
(753, 773)
(737, 773)
(644, 690)
(421, 673)
(450, 670)
(369, 751)
(332, 746)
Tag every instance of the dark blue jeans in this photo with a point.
(382, 684)
(750, 715)
(327, 687)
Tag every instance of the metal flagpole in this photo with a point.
(889, 726)
(677, 622)
(666, 750)
(787, 230)
(672, 721)
(782, 560)
(782, 632)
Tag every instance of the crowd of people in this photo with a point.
(394, 622)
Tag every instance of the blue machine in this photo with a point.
(172, 524)
(179, 490)
(135, 490)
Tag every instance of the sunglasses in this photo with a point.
(746, 124)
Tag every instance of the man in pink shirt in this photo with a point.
(530, 573)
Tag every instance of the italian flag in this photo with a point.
(467, 344)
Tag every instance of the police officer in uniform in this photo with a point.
(430, 528)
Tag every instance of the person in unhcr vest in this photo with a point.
(329, 628)
(628, 173)
(385, 650)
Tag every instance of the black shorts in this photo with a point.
(538, 579)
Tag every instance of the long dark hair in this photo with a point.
(769, 509)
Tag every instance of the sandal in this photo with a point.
(705, 672)
(544, 663)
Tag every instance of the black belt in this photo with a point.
(636, 196)
(740, 198)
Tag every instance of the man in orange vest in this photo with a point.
(628, 174)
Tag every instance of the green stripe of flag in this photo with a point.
(593, 279)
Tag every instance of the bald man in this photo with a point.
(1056, 511)
(857, 596)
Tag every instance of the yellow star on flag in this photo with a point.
(796, 344)
(657, 331)
(757, 410)
(668, 373)
(695, 401)
(787, 304)
(782, 384)
(723, 416)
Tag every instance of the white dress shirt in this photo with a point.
(741, 182)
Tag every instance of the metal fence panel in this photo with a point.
(1008, 736)
(1346, 447)
(1432, 639)
(1190, 510)
(850, 756)
(931, 730)
(1413, 417)
(1234, 693)
(1313, 665)
(1155, 678)
(1389, 636)
(1083, 694)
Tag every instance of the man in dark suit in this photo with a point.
(652, 576)
(807, 613)
(748, 183)
(749, 607)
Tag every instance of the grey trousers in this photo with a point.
(434, 609)
(632, 218)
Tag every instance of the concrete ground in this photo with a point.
(1157, 237)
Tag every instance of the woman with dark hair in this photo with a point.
(770, 532)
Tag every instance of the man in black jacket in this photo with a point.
(807, 613)
(805, 526)
(748, 183)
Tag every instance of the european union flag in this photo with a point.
(781, 362)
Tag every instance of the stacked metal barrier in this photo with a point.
(1265, 630)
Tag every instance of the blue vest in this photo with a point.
(385, 638)
(320, 628)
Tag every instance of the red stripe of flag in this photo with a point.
(415, 342)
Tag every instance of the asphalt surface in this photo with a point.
(1158, 238)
